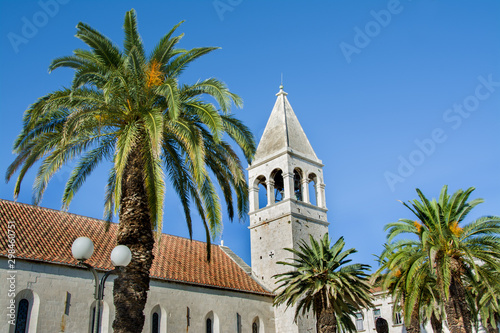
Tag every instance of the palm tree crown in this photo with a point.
(452, 250)
(131, 110)
(321, 280)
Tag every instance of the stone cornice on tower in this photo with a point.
(283, 133)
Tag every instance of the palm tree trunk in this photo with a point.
(414, 325)
(326, 322)
(458, 314)
(132, 284)
(437, 324)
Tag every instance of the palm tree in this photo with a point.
(487, 300)
(453, 248)
(130, 110)
(321, 280)
(403, 274)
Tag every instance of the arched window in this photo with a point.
(313, 193)
(158, 319)
(279, 190)
(210, 326)
(297, 184)
(212, 323)
(155, 323)
(22, 316)
(27, 307)
(257, 326)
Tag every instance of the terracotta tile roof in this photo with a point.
(46, 235)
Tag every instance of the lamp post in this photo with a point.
(82, 249)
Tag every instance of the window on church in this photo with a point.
(209, 325)
(297, 184)
(255, 327)
(279, 190)
(22, 316)
(155, 323)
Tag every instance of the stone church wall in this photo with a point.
(61, 299)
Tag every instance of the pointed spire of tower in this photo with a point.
(283, 132)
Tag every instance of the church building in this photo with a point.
(46, 290)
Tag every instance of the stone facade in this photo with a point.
(61, 300)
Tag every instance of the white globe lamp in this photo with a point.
(121, 256)
(82, 248)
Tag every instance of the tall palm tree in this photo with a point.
(321, 280)
(130, 110)
(454, 249)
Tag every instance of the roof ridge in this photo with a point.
(53, 210)
(114, 224)
(240, 262)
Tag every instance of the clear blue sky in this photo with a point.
(393, 95)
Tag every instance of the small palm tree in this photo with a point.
(454, 249)
(130, 110)
(321, 280)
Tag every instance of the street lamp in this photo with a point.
(82, 250)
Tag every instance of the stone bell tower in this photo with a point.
(287, 202)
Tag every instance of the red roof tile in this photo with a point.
(46, 235)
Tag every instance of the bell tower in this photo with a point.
(287, 202)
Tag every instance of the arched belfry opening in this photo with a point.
(261, 185)
(313, 189)
(278, 185)
(297, 184)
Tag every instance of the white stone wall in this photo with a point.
(50, 284)
(383, 302)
